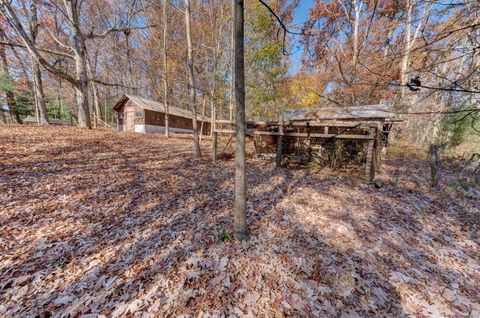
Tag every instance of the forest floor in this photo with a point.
(123, 224)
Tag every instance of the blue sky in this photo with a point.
(301, 16)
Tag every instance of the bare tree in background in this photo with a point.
(42, 115)
(80, 80)
(191, 80)
(12, 106)
(165, 66)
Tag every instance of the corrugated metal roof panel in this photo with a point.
(382, 111)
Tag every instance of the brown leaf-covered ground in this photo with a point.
(118, 224)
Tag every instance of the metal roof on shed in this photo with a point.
(144, 103)
(379, 111)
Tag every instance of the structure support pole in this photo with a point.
(369, 169)
(279, 157)
(214, 145)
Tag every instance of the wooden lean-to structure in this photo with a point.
(309, 132)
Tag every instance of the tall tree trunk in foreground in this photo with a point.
(80, 50)
(165, 67)
(42, 115)
(240, 222)
(191, 81)
(232, 87)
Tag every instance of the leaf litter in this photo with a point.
(106, 224)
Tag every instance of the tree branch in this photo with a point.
(115, 30)
(23, 46)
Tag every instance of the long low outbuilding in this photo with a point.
(138, 114)
(332, 134)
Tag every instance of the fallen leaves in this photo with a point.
(97, 223)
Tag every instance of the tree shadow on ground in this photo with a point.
(155, 249)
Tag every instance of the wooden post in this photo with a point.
(435, 166)
(378, 148)
(279, 157)
(369, 169)
(214, 146)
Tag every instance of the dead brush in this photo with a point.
(225, 156)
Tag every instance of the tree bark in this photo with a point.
(409, 42)
(232, 92)
(3, 119)
(191, 81)
(94, 90)
(165, 68)
(80, 57)
(240, 220)
(42, 114)
(39, 94)
(435, 165)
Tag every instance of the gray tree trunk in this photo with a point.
(435, 165)
(165, 68)
(191, 81)
(94, 90)
(240, 220)
(80, 50)
(39, 94)
(42, 114)
(232, 92)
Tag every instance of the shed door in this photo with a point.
(129, 121)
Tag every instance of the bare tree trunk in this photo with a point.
(191, 81)
(203, 116)
(59, 100)
(12, 106)
(435, 165)
(213, 116)
(232, 87)
(42, 114)
(80, 57)
(358, 9)
(94, 90)
(39, 94)
(165, 68)
(240, 220)
(406, 54)
(409, 41)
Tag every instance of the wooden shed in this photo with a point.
(312, 133)
(138, 114)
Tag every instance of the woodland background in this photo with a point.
(353, 53)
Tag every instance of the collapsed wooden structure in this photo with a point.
(308, 131)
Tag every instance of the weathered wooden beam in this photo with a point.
(369, 169)
(224, 121)
(332, 124)
(312, 135)
(294, 134)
